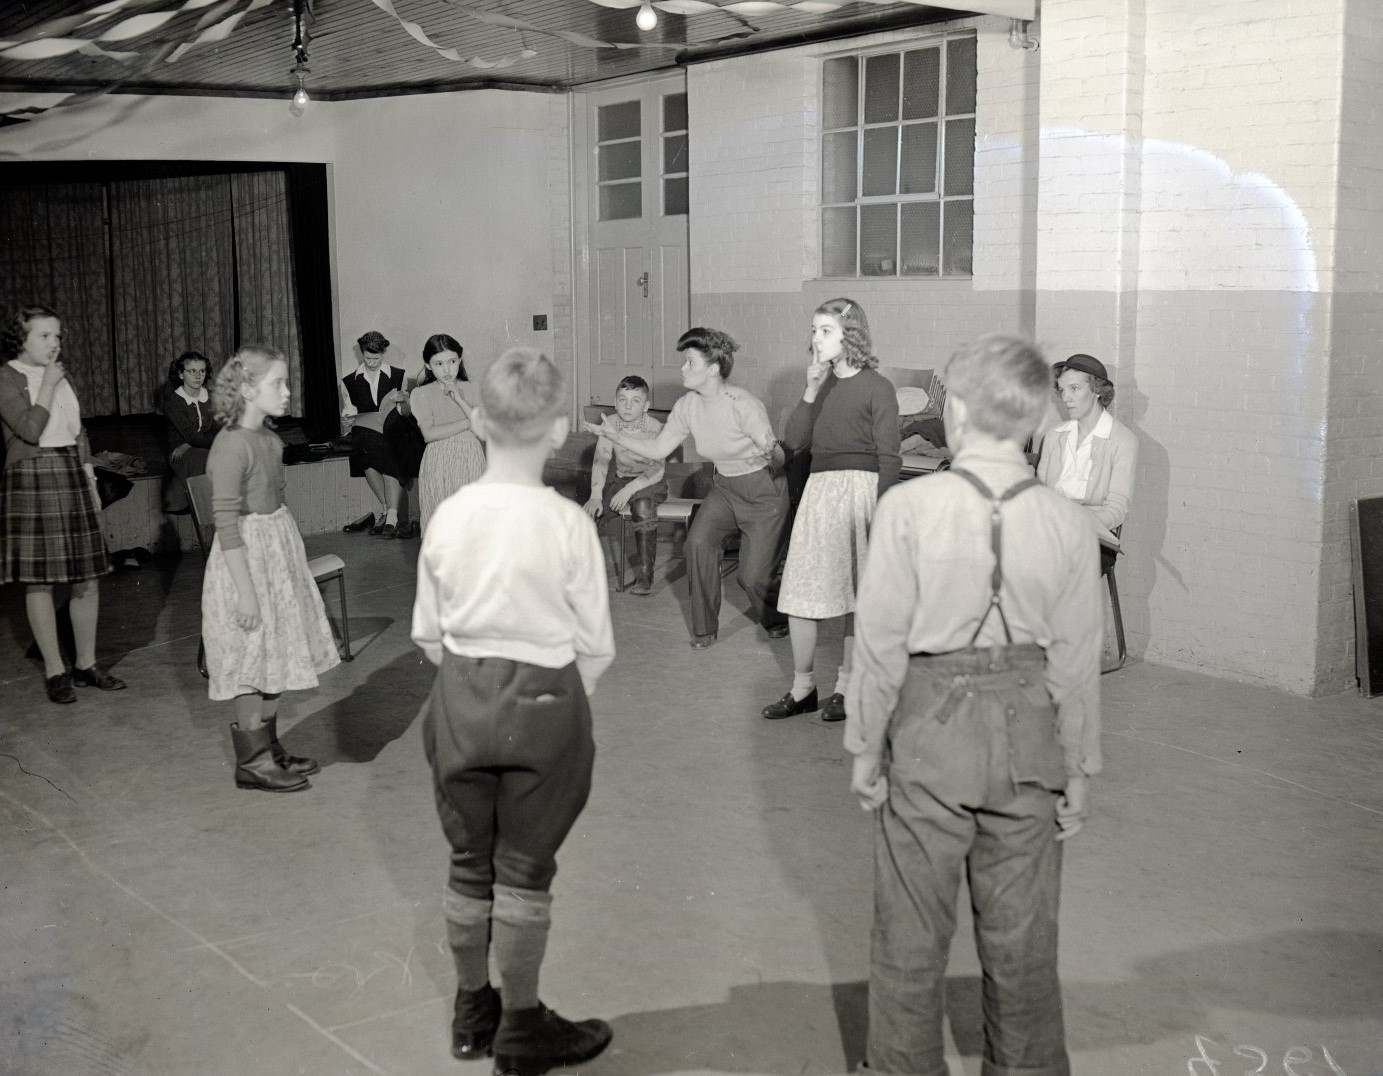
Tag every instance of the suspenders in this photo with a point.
(996, 530)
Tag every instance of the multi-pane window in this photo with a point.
(897, 161)
(674, 154)
(622, 160)
(620, 153)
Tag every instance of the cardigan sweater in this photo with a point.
(1112, 463)
(852, 425)
(193, 423)
(23, 421)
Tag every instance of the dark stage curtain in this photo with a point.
(311, 230)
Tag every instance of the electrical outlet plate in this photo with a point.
(540, 323)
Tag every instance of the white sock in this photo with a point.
(803, 684)
(392, 516)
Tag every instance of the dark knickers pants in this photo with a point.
(511, 753)
(756, 506)
(643, 506)
(974, 770)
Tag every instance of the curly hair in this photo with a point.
(15, 330)
(718, 347)
(245, 367)
(176, 367)
(858, 349)
(435, 345)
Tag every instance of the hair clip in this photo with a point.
(846, 311)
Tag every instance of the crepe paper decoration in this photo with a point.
(217, 31)
(76, 100)
(418, 34)
(495, 18)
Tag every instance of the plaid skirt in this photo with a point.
(50, 529)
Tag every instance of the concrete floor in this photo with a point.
(713, 903)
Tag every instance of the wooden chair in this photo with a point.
(676, 510)
(1113, 586)
(324, 569)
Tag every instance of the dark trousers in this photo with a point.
(756, 506)
(643, 507)
(974, 770)
(511, 753)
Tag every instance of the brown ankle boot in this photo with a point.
(529, 1042)
(474, 1018)
(255, 766)
(292, 763)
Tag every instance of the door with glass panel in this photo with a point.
(637, 284)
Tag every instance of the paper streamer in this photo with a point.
(494, 18)
(418, 34)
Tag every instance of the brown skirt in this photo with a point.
(50, 529)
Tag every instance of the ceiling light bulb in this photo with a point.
(300, 102)
(647, 18)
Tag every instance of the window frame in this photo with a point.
(897, 199)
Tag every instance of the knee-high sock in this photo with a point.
(521, 919)
(468, 934)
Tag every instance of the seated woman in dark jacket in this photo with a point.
(187, 406)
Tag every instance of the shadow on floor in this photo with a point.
(375, 714)
(774, 1027)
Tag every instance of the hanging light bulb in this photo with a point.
(647, 18)
(300, 98)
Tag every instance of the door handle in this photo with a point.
(642, 282)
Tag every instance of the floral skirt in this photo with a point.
(830, 537)
(293, 644)
(447, 466)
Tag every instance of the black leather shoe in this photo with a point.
(364, 523)
(98, 677)
(834, 708)
(378, 527)
(60, 688)
(776, 631)
(787, 706)
(530, 1042)
(475, 1018)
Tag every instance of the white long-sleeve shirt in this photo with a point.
(515, 572)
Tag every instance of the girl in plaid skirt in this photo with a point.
(50, 524)
(263, 622)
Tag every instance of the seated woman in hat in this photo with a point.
(1092, 456)
(371, 394)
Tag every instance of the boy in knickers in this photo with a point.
(511, 607)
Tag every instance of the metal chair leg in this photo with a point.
(345, 619)
(1118, 621)
(623, 557)
(201, 659)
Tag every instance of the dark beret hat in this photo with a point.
(1086, 364)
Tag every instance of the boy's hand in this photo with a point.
(868, 782)
(597, 428)
(1071, 807)
(592, 506)
(620, 501)
(247, 612)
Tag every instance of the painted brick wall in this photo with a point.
(1186, 235)
(1354, 448)
(755, 188)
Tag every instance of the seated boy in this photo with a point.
(637, 482)
(511, 607)
(374, 401)
(974, 720)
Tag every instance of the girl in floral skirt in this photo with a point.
(848, 416)
(263, 621)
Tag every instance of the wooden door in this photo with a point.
(637, 287)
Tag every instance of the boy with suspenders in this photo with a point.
(974, 721)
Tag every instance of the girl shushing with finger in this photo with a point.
(263, 622)
(848, 416)
(442, 405)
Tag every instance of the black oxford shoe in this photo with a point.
(787, 706)
(98, 677)
(60, 688)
